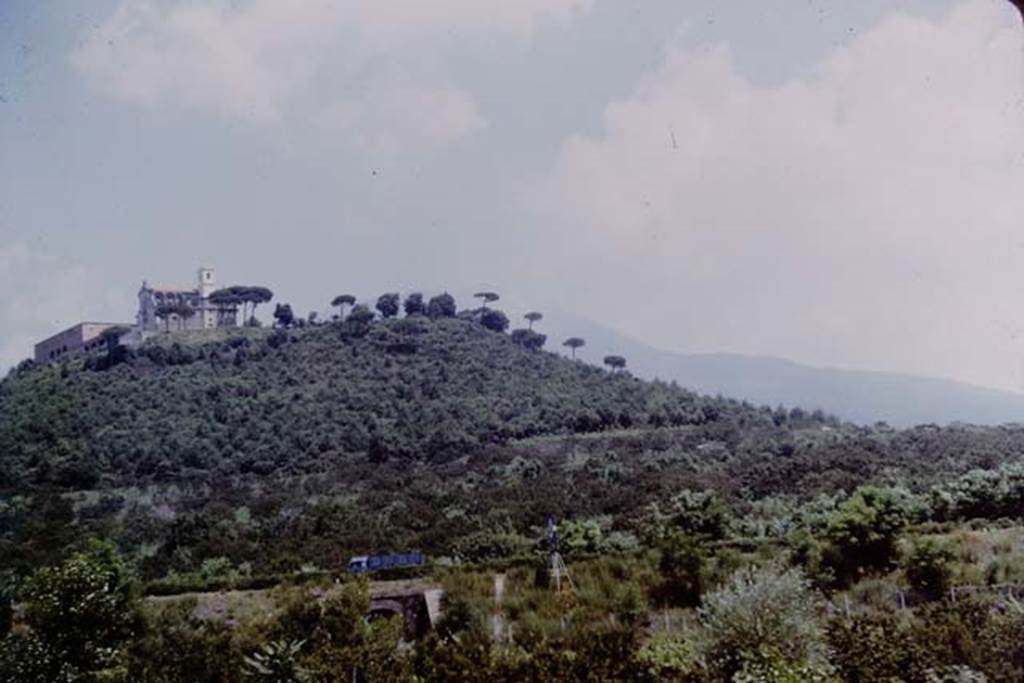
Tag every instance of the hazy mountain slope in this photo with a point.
(857, 396)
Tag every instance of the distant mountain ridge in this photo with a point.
(858, 396)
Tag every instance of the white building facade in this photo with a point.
(177, 308)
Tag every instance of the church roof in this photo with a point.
(173, 290)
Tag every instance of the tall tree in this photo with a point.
(258, 295)
(247, 298)
(218, 297)
(225, 301)
(574, 343)
(244, 296)
(164, 312)
(387, 304)
(414, 304)
(341, 301)
(486, 298)
(615, 362)
(441, 306)
(283, 315)
(184, 312)
(360, 314)
(533, 316)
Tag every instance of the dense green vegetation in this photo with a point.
(419, 420)
(256, 457)
(279, 448)
(302, 401)
(757, 619)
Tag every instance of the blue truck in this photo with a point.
(371, 563)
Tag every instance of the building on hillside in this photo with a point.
(81, 338)
(177, 308)
(160, 308)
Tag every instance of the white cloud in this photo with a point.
(870, 215)
(371, 74)
(45, 297)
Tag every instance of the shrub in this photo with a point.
(594, 654)
(176, 648)
(30, 660)
(375, 656)
(769, 666)
(954, 674)
(981, 494)
(581, 536)
(667, 658)
(811, 555)
(462, 613)
(694, 513)
(762, 609)
(482, 546)
(631, 605)
(83, 610)
(943, 641)
(863, 532)
(494, 320)
(872, 647)
(929, 567)
(683, 566)
(337, 620)
(529, 339)
(969, 633)
(277, 662)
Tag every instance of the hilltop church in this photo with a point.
(160, 308)
(183, 308)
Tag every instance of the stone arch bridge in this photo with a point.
(419, 607)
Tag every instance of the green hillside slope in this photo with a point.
(307, 400)
(275, 449)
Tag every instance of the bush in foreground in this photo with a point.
(762, 610)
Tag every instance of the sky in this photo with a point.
(836, 183)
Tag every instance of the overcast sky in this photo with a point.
(838, 183)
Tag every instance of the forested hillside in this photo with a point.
(307, 400)
(283, 447)
(264, 459)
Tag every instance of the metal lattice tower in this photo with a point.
(558, 572)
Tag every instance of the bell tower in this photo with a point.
(207, 286)
(207, 281)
